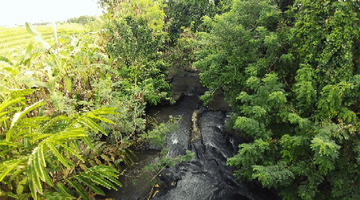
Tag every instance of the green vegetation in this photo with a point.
(292, 78)
(39, 150)
(72, 107)
(83, 20)
(18, 38)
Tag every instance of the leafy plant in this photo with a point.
(39, 156)
(135, 38)
(185, 14)
(292, 79)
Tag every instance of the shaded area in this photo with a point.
(207, 176)
(202, 130)
(135, 181)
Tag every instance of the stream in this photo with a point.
(201, 130)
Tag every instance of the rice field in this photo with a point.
(18, 37)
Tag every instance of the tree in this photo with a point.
(182, 13)
(293, 81)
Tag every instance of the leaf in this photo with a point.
(34, 179)
(4, 143)
(2, 58)
(5, 65)
(28, 109)
(91, 124)
(68, 84)
(99, 180)
(9, 166)
(55, 32)
(30, 29)
(39, 137)
(4, 89)
(61, 187)
(7, 103)
(36, 163)
(73, 152)
(58, 155)
(20, 186)
(90, 185)
(101, 118)
(83, 167)
(52, 121)
(103, 111)
(32, 186)
(79, 189)
(28, 52)
(36, 35)
(112, 179)
(77, 145)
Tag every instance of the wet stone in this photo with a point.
(206, 176)
(202, 131)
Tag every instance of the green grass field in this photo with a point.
(18, 37)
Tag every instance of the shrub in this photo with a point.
(292, 80)
(42, 157)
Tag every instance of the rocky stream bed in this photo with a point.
(202, 131)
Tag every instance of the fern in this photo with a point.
(273, 176)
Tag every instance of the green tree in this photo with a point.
(135, 39)
(293, 81)
(181, 13)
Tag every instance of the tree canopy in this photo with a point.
(292, 78)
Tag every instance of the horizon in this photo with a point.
(39, 11)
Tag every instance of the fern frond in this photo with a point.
(60, 187)
(34, 181)
(20, 115)
(79, 189)
(8, 166)
(57, 154)
(98, 179)
(86, 121)
(95, 189)
(8, 103)
(72, 151)
(51, 122)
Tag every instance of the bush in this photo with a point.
(182, 13)
(292, 80)
(42, 157)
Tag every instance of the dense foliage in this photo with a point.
(293, 80)
(71, 109)
(183, 13)
(39, 155)
(84, 19)
(80, 78)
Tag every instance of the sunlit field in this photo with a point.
(18, 38)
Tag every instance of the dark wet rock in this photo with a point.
(202, 130)
(177, 96)
(177, 142)
(149, 147)
(206, 176)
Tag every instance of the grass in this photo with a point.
(19, 38)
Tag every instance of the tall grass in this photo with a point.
(18, 38)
